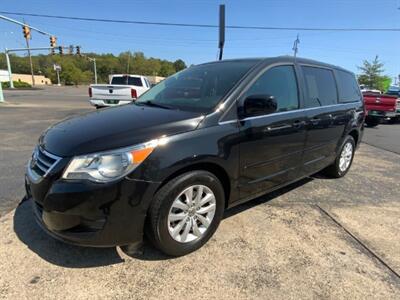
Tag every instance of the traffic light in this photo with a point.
(60, 49)
(53, 41)
(78, 50)
(27, 32)
(71, 50)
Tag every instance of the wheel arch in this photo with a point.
(211, 167)
(355, 134)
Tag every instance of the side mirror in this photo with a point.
(256, 105)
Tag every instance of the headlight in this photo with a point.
(110, 165)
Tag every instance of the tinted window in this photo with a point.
(135, 81)
(348, 87)
(198, 88)
(279, 82)
(320, 87)
(127, 80)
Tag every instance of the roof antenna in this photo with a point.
(295, 46)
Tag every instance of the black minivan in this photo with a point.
(205, 139)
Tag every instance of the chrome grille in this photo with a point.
(42, 162)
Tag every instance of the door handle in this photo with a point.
(278, 127)
(298, 124)
(315, 120)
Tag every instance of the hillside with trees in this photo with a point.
(79, 70)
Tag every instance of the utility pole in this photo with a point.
(27, 34)
(95, 71)
(92, 59)
(295, 46)
(221, 30)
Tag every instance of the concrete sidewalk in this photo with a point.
(319, 238)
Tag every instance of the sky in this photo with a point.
(197, 45)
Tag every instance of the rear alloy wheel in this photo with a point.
(346, 156)
(344, 160)
(185, 212)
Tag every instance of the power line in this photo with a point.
(198, 25)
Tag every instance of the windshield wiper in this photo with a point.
(154, 104)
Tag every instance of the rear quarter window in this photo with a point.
(320, 86)
(348, 87)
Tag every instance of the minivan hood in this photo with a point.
(114, 128)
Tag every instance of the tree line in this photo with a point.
(79, 70)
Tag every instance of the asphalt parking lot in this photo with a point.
(318, 238)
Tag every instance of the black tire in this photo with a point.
(334, 169)
(157, 223)
(372, 122)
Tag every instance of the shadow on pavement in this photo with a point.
(62, 254)
(265, 198)
(54, 251)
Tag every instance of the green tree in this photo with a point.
(166, 69)
(179, 65)
(79, 70)
(372, 75)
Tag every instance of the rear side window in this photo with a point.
(320, 87)
(279, 82)
(348, 87)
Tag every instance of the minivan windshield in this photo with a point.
(197, 88)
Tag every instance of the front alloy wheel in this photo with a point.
(191, 213)
(185, 212)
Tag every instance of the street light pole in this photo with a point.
(9, 69)
(58, 77)
(95, 70)
(94, 66)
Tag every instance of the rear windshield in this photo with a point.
(127, 80)
(198, 88)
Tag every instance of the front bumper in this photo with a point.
(381, 114)
(90, 214)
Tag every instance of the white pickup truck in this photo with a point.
(123, 88)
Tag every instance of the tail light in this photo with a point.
(90, 92)
(133, 93)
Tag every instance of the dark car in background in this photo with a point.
(395, 91)
(207, 138)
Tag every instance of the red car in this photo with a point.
(378, 107)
